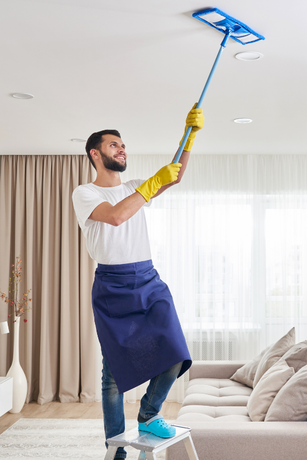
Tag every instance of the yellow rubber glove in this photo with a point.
(195, 119)
(164, 176)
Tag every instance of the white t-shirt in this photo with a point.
(109, 245)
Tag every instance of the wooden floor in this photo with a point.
(78, 410)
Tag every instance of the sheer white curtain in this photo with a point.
(230, 241)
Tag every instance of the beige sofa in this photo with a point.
(215, 407)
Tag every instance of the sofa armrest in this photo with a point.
(245, 440)
(214, 369)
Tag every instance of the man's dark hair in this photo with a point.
(95, 140)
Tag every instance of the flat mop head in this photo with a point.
(238, 31)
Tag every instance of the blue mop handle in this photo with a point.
(188, 131)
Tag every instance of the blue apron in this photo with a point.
(137, 324)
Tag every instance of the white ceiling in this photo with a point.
(139, 65)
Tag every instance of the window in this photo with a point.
(286, 259)
(234, 262)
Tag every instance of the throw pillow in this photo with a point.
(267, 388)
(246, 373)
(290, 403)
(296, 357)
(273, 354)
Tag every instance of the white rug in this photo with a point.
(59, 439)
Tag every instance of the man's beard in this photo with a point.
(110, 163)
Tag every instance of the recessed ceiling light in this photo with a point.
(243, 120)
(77, 140)
(249, 56)
(22, 95)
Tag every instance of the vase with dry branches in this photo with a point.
(19, 307)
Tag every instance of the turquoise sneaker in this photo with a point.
(158, 426)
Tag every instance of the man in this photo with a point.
(136, 321)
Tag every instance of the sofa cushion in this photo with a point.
(246, 373)
(215, 382)
(189, 414)
(211, 390)
(296, 357)
(215, 399)
(290, 403)
(214, 411)
(272, 355)
(267, 388)
(216, 392)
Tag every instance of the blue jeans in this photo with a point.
(151, 403)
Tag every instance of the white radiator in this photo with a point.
(210, 347)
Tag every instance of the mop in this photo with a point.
(231, 28)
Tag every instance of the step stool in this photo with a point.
(149, 445)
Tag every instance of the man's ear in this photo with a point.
(94, 154)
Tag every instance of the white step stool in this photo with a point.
(149, 445)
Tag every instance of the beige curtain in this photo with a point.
(37, 222)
